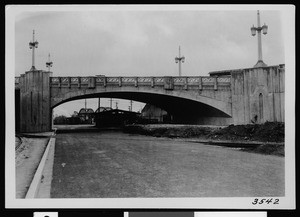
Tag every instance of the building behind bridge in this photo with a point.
(153, 114)
(115, 118)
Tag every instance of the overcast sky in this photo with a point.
(143, 42)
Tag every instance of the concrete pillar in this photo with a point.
(35, 108)
(258, 95)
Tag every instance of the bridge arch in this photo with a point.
(185, 107)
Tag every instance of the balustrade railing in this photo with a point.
(92, 82)
(214, 81)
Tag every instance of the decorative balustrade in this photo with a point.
(185, 82)
(92, 82)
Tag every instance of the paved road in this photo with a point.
(114, 164)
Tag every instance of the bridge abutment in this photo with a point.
(35, 109)
(258, 95)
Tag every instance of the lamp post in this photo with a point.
(259, 28)
(32, 45)
(49, 63)
(179, 60)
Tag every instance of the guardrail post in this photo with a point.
(186, 83)
(59, 81)
(92, 81)
(104, 81)
(216, 83)
(200, 83)
(168, 83)
(152, 81)
(120, 81)
(79, 82)
(69, 82)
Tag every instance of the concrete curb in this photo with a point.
(44, 190)
(34, 186)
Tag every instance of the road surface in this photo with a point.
(115, 164)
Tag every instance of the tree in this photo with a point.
(61, 119)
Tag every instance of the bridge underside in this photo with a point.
(184, 111)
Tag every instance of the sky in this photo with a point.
(143, 41)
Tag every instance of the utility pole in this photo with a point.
(259, 28)
(111, 103)
(32, 45)
(179, 59)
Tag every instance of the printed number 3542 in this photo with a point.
(265, 201)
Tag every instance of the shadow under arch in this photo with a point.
(184, 111)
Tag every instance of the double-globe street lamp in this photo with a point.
(49, 63)
(259, 28)
(179, 60)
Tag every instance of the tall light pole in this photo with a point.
(259, 28)
(32, 45)
(179, 59)
(49, 63)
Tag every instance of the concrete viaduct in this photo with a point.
(239, 96)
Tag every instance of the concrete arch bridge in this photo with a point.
(222, 98)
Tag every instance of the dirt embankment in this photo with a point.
(269, 132)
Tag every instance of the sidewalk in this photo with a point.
(28, 157)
